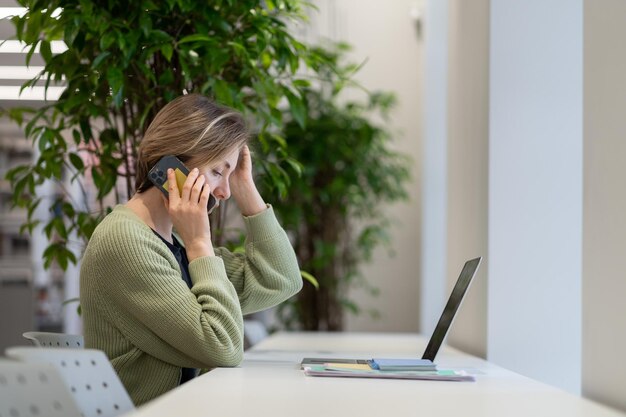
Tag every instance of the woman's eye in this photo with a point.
(217, 173)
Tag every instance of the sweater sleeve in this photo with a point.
(139, 288)
(268, 272)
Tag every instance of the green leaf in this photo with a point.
(146, 24)
(266, 59)
(14, 173)
(99, 59)
(70, 300)
(30, 53)
(351, 306)
(79, 310)
(59, 253)
(295, 165)
(76, 136)
(302, 83)
(44, 139)
(85, 128)
(45, 51)
(77, 161)
(238, 48)
(159, 36)
(194, 38)
(311, 279)
(109, 137)
(167, 50)
(223, 93)
(107, 40)
(298, 108)
(279, 140)
(167, 77)
(115, 77)
(29, 226)
(294, 63)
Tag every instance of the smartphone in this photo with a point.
(158, 176)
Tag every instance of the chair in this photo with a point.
(34, 390)
(57, 340)
(87, 373)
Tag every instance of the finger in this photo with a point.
(205, 195)
(244, 163)
(196, 191)
(172, 187)
(189, 182)
(244, 155)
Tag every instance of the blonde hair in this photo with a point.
(194, 129)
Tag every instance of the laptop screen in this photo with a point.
(459, 290)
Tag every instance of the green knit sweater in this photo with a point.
(139, 311)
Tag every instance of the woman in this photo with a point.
(161, 305)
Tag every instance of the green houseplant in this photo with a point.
(334, 208)
(124, 61)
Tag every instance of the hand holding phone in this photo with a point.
(158, 176)
(188, 213)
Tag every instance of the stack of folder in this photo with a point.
(388, 369)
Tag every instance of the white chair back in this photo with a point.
(89, 376)
(55, 340)
(34, 390)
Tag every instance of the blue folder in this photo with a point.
(384, 364)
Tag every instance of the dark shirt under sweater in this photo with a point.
(181, 256)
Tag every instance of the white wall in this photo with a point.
(604, 262)
(467, 155)
(386, 35)
(535, 190)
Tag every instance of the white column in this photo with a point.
(535, 190)
(467, 171)
(435, 165)
(604, 262)
(72, 321)
(38, 241)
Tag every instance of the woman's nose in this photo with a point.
(222, 191)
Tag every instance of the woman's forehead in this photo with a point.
(228, 161)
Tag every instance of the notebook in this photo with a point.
(439, 334)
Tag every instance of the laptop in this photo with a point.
(439, 334)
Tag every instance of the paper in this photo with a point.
(347, 367)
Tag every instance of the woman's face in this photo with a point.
(218, 175)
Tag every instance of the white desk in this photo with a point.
(270, 383)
